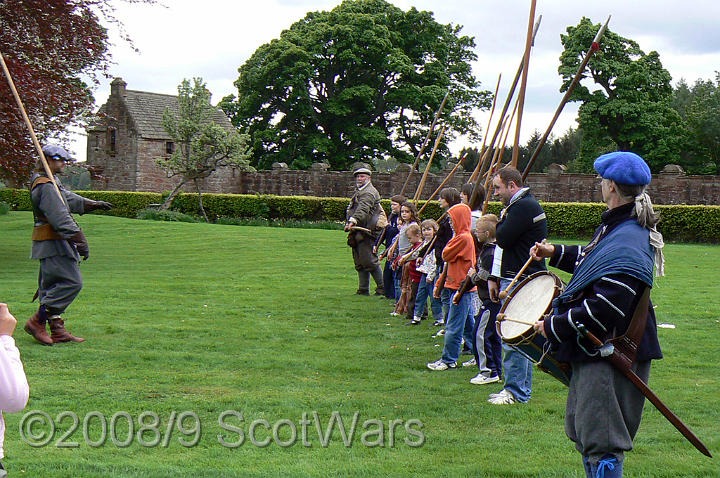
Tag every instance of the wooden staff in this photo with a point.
(523, 85)
(502, 317)
(623, 367)
(476, 171)
(504, 142)
(498, 128)
(504, 293)
(439, 188)
(421, 186)
(425, 142)
(361, 229)
(390, 250)
(30, 128)
(578, 76)
(497, 157)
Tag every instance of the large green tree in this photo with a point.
(55, 51)
(359, 83)
(630, 107)
(699, 105)
(202, 145)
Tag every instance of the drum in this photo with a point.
(527, 303)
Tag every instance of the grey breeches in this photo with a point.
(59, 282)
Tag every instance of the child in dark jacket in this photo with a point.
(488, 348)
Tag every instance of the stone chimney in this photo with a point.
(117, 88)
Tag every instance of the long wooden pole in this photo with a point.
(35, 141)
(497, 157)
(523, 85)
(578, 76)
(476, 171)
(425, 142)
(616, 361)
(442, 185)
(511, 92)
(421, 186)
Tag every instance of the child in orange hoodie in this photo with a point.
(459, 255)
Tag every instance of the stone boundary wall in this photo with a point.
(557, 186)
(666, 188)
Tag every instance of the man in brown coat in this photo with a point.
(364, 211)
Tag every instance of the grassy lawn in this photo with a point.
(255, 334)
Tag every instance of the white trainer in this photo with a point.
(440, 365)
(505, 397)
(470, 363)
(481, 379)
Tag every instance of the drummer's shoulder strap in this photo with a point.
(628, 343)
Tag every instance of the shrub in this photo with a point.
(174, 216)
(574, 220)
(4, 208)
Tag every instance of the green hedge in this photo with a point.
(575, 220)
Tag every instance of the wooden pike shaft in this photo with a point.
(35, 141)
(506, 105)
(425, 142)
(421, 186)
(622, 367)
(578, 76)
(523, 85)
(442, 185)
(476, 171)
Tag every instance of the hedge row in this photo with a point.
(575, 220)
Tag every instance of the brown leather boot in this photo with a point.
(36, 327)
(58, 333)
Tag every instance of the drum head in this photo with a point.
(528, 302)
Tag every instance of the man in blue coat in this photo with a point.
(610, 275)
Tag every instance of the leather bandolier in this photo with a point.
(42, 230)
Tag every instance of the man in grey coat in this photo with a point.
(59, 244)
(362, 216)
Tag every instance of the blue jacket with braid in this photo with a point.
(605, 302)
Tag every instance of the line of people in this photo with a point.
(469, 258)
(455, 268)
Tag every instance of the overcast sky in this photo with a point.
(213, 38)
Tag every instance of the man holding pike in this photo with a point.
(59, 244)
(364, 217)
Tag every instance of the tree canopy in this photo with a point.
(53, 49)
(699, 105)
(359, 83)
(631, 106)
(202, 145)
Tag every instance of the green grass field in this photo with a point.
(254, 338)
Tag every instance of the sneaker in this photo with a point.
(394, 314)
(501, 392)
(414, 321)
(440, 365)
(439, 323)
(470, 363)
(481, 379)
(439, 333)
(503, 398)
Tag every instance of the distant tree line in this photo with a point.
(363, 82)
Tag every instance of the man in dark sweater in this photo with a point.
(522, 224)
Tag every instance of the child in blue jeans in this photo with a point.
(428, 267)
